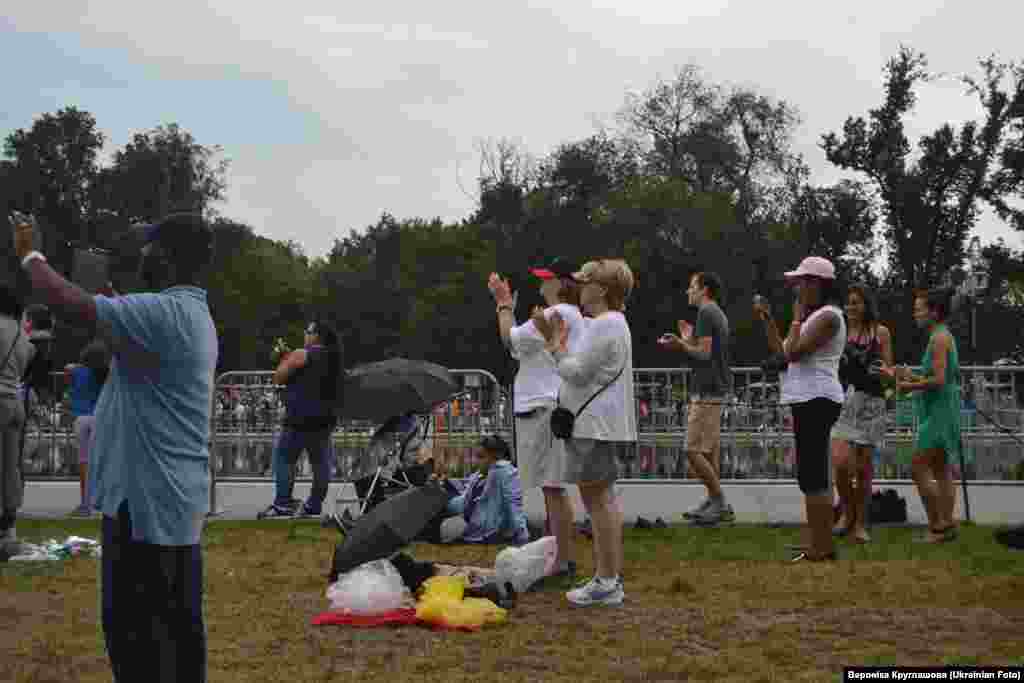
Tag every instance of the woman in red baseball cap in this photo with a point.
(540, 457)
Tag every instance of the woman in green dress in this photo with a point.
(936, 395)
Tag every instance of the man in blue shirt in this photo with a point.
(152, 460)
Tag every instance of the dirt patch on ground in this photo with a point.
(700, 607)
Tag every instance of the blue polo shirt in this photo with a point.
(153, 417)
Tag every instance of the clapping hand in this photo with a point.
(762, 311)
(500, 290)
(554, 331)
(670, 342)
(897, 372)
(685, 330)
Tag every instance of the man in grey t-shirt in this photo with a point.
(708, 350)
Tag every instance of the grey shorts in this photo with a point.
(862, 421)
(540, 457)
(590, 460)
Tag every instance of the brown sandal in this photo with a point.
(935, 537)
(807, 557)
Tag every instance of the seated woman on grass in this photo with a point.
(490, 507)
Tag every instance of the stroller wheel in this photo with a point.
(332, 521)
(340, 523)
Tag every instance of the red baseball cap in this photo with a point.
(558, 268)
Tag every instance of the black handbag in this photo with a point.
(563, 420)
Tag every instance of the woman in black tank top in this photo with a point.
(861, 426)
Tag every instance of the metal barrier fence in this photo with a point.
(993, 402)
(247, 403)
(247, 414)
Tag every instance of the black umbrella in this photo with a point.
(388, 527)
(377, 391)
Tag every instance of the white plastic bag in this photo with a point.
(372, 588)
(526, 565)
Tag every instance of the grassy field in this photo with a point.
(702, 605)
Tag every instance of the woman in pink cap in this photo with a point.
(812, 390)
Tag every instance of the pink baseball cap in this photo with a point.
(815, 266)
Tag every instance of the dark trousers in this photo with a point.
(152, 607)
(812, 426)
(289, 447)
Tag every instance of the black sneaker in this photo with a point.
(643, 524)
(659, 523)
(276, 512)
(306, 511)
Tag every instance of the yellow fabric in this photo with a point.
(442, 604)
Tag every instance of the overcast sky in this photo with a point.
(332, 113)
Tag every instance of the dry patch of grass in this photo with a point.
(702, 605)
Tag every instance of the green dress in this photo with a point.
(938, 410)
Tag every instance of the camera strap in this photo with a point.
(558, 400)
(10, 351)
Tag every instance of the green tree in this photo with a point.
(930, 203)
(52, 167)
(838, 223)
(161, 171)
(261, 291)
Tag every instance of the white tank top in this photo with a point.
(816, 375)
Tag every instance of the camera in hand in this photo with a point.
(861, 368)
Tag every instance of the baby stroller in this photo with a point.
(407, 390)
(392, 456)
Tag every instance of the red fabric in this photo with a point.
(395, 617)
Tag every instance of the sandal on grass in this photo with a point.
(808, 557)
(936, 536)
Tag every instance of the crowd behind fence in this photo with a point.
(249, 403)
(248, 411)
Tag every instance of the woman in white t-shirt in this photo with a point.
(598, 388)
(811, 388)
(539, 457)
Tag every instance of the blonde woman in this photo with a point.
(597, 387)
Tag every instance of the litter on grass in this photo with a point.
(55, 551)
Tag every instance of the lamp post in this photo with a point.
(973, 285)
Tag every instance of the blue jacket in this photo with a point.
(498, 513)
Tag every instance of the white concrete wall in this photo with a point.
(755, 501)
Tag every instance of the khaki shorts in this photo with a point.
(704, 428)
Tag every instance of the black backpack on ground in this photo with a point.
(887, 507)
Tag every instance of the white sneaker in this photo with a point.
(598, 591)
(699, 510)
